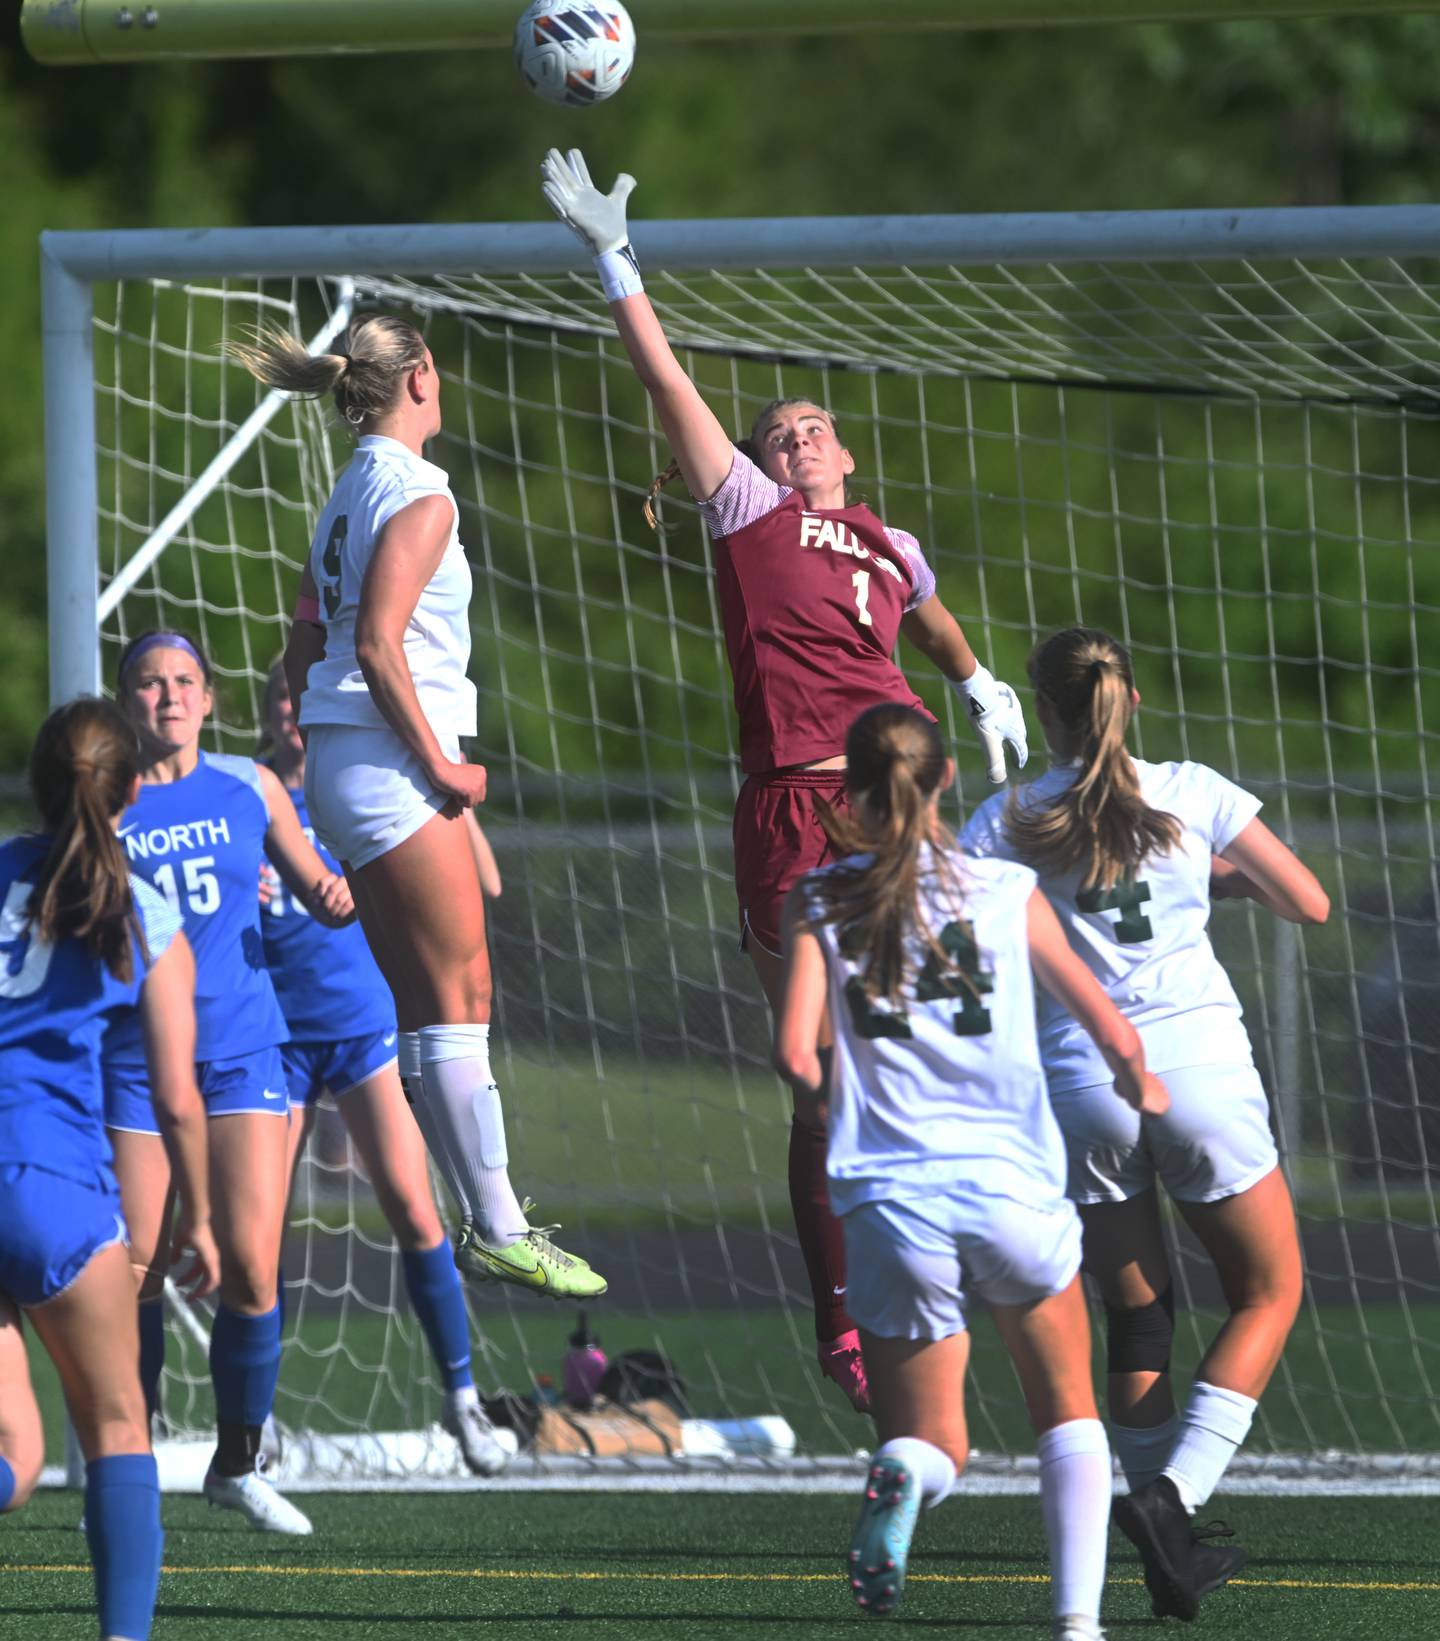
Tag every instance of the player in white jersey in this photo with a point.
(945, 1161)
(1127, 854)
(377, 660)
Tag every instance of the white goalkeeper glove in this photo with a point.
(597, 220)
(994, 712)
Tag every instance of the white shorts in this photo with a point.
(1213, 1142)
(366, 791)
(915, 1264)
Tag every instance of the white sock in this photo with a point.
(1143, 1453)
(463, 1103)
(931, 1466)
(1075, 1488)
(461, 1396)
(412, 1083)
(1213, 1425)
(1075, 1626)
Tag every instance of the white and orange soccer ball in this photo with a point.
(575, 51)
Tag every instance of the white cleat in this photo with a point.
(1076, 1627)
(256, 1500)
(480, 1447)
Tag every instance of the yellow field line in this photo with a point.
(706, 1578)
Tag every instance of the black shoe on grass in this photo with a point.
(1215, 1564)
(1158, 1525)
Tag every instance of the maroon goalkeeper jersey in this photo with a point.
(811, 604)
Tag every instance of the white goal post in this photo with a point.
(1216, 432)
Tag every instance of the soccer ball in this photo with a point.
(575, 51)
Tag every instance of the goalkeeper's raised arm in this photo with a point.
(795, 444)
(813, 591)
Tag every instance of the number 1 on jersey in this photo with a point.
(860, 581)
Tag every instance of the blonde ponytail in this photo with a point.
(365, 372)
(1100, 825)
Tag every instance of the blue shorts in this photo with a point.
(243, 1082)
(313, 1069)
(51, 1229)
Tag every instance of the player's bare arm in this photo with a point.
(323, 893)
(305, 645)
(485, 862)
(167, 1013)
(407, 554)
(938, 636)
(802, 1004)
(992, 707)
(700, 444)
(1273, 876)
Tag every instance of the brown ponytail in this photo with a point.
(652, 495)
(1100, 825)
(365, 372)
(82, 768)
(895, 765)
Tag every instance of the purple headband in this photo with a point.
(167, 641)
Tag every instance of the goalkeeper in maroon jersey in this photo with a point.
(813, 592)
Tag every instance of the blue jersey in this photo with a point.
(201, 842)
(56, 1003)
(327, 982)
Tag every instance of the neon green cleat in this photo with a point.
(534, 1262)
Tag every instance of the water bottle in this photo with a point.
(583, 1367)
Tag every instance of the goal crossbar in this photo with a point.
(746, 242)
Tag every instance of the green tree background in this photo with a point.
(1244, 114)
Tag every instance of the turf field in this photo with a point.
(702, 1568)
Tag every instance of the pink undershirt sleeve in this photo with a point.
(910, 550)
(745, 496)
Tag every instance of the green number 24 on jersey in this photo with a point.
(966, 983)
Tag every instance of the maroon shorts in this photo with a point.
(778, 838)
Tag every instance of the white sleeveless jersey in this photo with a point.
(1145, 940)
(947, 1094)
(383, 476)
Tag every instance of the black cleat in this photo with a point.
(1158, 1525)
(1215, 1564)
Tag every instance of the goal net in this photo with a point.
(1226, 452)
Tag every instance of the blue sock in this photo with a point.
(434, 1287)
(7, 1483)
(244, 1365)
(122, 1523)
(152, 1353)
